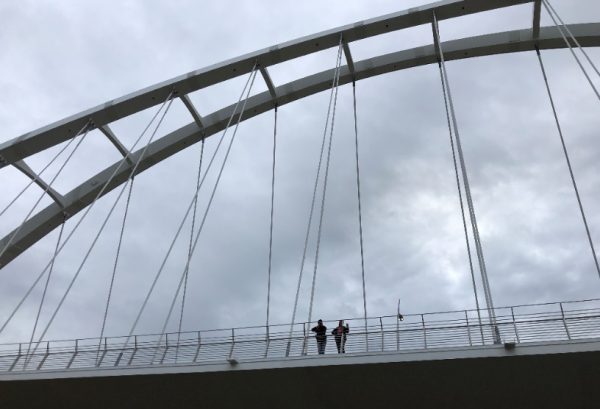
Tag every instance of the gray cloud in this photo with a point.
(61, 58)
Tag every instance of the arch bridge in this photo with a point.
(542, 353)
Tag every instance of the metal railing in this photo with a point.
(560, 321)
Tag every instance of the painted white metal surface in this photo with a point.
(487, 351)
(455, 332)
(53, 134)
(80, 197)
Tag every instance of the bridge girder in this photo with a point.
(547, 375)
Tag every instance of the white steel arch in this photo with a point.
(53, 134)
(47, 219)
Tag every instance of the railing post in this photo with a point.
(562, 313)
(382, 335)
(305, 331)
(424, 331)
(198, 349)
(366, 335)
(45, 356)
(232, 343)
(480, 325)
(17, 360)
(494, 326)
(305, 342)
(512, 312)
(177, 346)
(130, 361)
(468, 328)
(74, 354)
(289, 344)
(162, 359)
(99, 362)
(268, 342)
(397, 333)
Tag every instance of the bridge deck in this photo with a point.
(549, 375)
(549, 357)
(520, 325)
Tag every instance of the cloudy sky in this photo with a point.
(61, 57)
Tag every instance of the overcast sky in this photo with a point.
(60, 57)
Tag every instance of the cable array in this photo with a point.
(87, 211)
(325, 179)
(566, 153)
(114, 272)
(252, 77)
(16, 232)
(322, 176)
(271, 217)
(95, 240)
(161, 268)
(470, 206)
(334, 84)
(564, 30)
(192, 229)
(32, 181)
(360, 224)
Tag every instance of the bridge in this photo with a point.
(547, 352)
(418, 352)
(531, 354)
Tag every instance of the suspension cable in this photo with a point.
(132, 173)
(562, 33)
(89, 208)
(190, 247)
(39, 311)
(460, 199)
(114, 272)
(312, 205)
(161, 268)
(80, 268)
(564, 146)
(476, 237)
(566, 27)
(44, 169)
(360, 228)
(12, 237)
(208, 206)
(325, 179)
(271, 219)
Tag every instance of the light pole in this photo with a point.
(399, 317)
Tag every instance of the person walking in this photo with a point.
(339, 334)
(321, 335)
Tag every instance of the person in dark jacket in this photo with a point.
(339, 333)
(321, 335)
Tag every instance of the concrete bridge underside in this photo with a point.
(550, 375)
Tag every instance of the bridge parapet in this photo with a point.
(561, 321)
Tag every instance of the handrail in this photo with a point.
(285, 326)
(233, 344)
